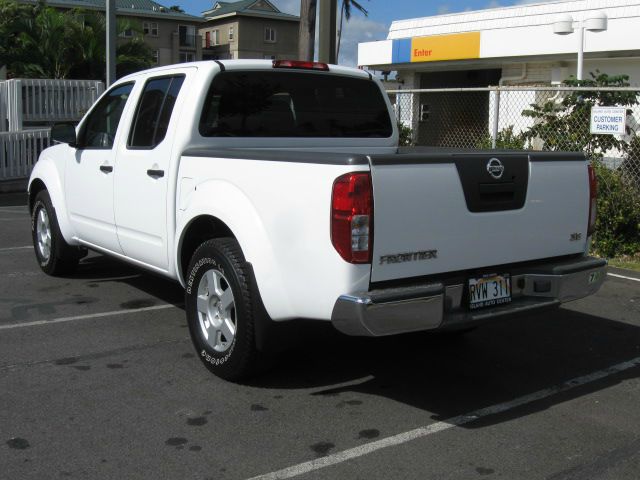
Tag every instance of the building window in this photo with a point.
(270, 34)
(150, 28)
(128, 33)
(207, 39)
(187, 57)
(230, 34)
(215, 37)
(187, 34)
(156, 56)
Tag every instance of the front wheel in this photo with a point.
(54, 254)
(219, 307)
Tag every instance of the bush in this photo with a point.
(506, 140)
(618, 224)
(406, 135)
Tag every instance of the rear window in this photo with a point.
(293, 104)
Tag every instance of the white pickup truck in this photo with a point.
(275, 191)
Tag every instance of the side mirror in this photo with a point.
(64, 133)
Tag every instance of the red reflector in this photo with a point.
(352, 217)
(593, 200)
(300, 64)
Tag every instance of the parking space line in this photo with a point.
(460, 420)
(22, 211)
(622, 276)
(9, 249)
(21, 219)
(85, 317)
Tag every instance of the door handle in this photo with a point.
(155, 173)
(106, 168)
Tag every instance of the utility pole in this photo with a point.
(327, 27)
(111, 41)
(307, 31)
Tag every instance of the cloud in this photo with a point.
(444, 8)
(359, 29)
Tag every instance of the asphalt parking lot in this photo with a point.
(98, 379)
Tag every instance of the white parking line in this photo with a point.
(21, 219)
(622, 276)
(422, 432)
(10, 249)
(17, 210)
(84, 317)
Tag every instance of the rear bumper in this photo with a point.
(440, 306)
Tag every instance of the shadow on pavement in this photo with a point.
(99, 269)
(447, 375)
(452, 376)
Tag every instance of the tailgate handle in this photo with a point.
(497, 192)
(106, 168)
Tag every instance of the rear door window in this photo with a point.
(153, 112)
(293, 104)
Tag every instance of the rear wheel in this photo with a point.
(54, 254)
(219, 307)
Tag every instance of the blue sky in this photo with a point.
(381, 14)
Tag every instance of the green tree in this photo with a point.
(565, 125)
(37, 41)
(131, 56)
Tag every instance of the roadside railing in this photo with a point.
(36, 101)
(19, 151)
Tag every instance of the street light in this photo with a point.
(594, 22)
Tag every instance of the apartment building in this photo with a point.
(248, 29)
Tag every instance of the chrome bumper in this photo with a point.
(439, 306)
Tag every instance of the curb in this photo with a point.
(14, 185)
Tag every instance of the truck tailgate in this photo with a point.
(447, 212)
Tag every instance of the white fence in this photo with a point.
(43, 100)
(27, 106)
(19, 151)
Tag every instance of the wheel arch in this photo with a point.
(46, 175)
(199, 229)
(220, 208)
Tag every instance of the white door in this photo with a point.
(90, 171)
(143, 173)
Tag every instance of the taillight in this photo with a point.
(352, 217)
(300, 64)
(593, 199)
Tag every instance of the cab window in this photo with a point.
(99, 130)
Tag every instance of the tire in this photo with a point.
(220, 310)
(55, 256)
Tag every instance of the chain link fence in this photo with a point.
(538, 118)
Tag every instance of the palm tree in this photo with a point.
(307, 36)
(345, 12)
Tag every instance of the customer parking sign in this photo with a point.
(608, 120)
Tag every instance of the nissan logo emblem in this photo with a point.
(495, 168)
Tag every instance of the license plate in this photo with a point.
(489, 290)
